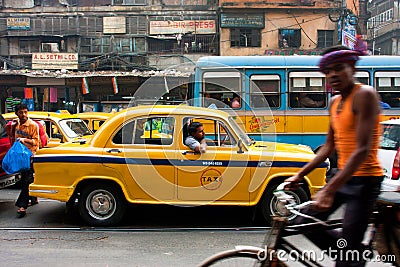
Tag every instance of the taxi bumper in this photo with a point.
(60, 193)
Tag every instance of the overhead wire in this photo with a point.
(305, 33)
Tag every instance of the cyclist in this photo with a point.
(354, 132)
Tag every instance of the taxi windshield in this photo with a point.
(390, 139)
(74, 128)
(242, 134)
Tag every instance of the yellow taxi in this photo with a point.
(139, 156)
(60, 127)
(94, 119)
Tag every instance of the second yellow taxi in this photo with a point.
(94, 119)
(60, 127)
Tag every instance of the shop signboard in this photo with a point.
(229, 20)
(55, 61)
(182, 27)
(18, 24)
(35, 81)
(112, 25)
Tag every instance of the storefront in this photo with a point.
(102, 91)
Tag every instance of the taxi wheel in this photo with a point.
(270, 206)
(101, 204)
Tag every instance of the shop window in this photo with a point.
(192, 43)
(139, 45)
(187, 43)
(86, 45)
(106, 45)
(161, 45)
(307, 90)
(325, 38)
(103, 45)
(265, 91)
(29, 46)
(122, 44)
(242, 37)
(96, 45)
(289, 38)
(50, 47)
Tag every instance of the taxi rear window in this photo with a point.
(3, 123)
(391, 137)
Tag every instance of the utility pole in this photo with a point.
(343, 19)
(346, 21)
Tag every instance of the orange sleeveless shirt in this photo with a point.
(344, 127)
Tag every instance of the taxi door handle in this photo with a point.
(190, 152)
(114, 150)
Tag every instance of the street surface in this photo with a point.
(149, 236)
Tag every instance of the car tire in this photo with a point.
(101, 204)
(270, 206)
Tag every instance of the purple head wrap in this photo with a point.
(343, 56)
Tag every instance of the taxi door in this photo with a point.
(54, 133)
(221, 174)
(142, 158)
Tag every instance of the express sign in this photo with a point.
(183, 26)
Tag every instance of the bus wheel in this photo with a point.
(101, 204)
(270, 206)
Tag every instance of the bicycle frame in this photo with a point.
(275, 238)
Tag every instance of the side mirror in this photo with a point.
(240, 145)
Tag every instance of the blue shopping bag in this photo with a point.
(18, 158)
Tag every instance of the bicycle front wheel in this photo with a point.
(241, 257)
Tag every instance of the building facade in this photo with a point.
(384, 27)
(277, 27)
(99, 52)
(99, 39)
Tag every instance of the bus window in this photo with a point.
(265, 89)
(219, 88)
(388, 86)
(362, 77)
(307, 90)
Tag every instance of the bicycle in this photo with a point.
(385, 234)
